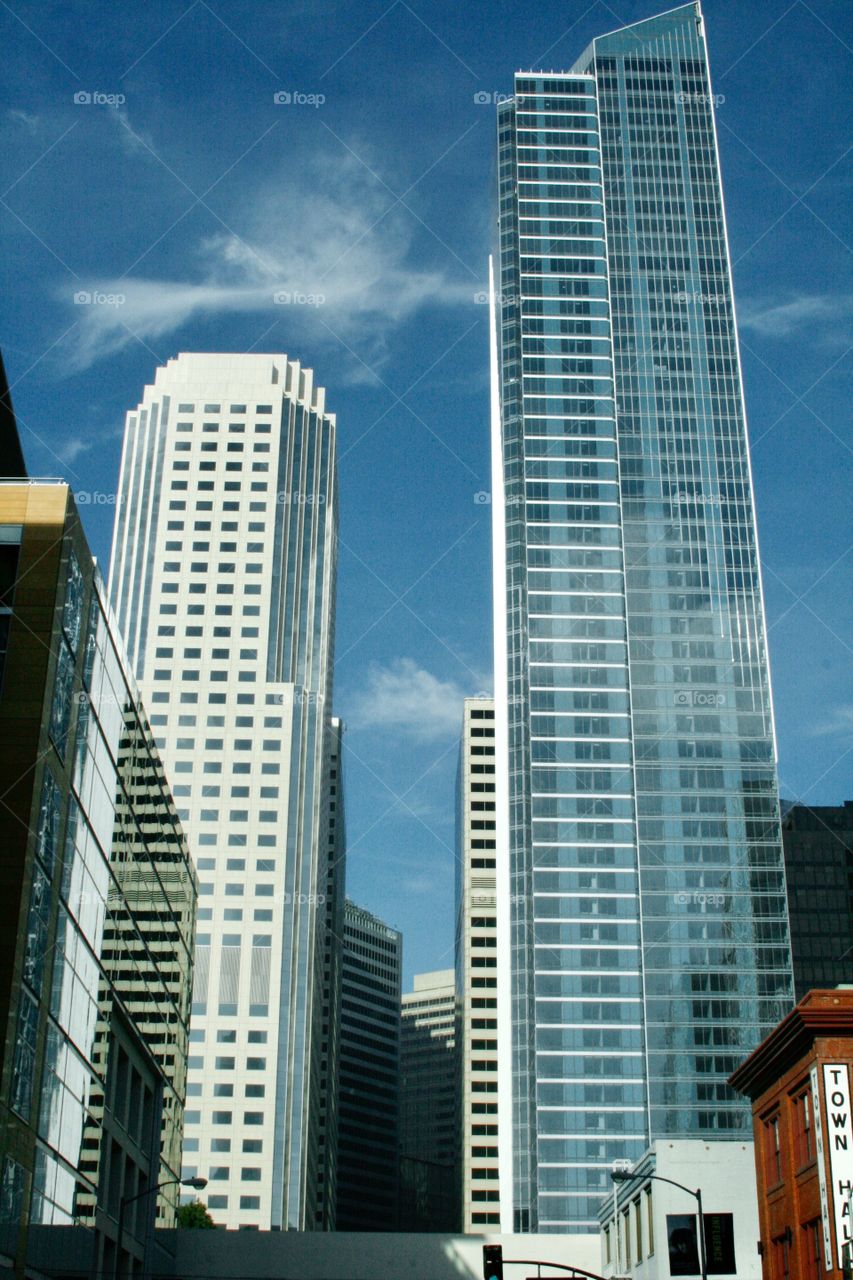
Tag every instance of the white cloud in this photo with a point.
(30, 121)
(70, 450)
(775, 318)
(406, 698)
(328, 240)
(839, 724)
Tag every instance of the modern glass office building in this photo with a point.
(641, 895)
(223, 580)
(98, 913)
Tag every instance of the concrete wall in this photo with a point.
(250, 1255)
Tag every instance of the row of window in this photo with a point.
(249, 1118)
(260, 410)
(222, 1146)
(621, 1248)
(234, 915)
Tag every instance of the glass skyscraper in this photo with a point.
(643, 937)
(98, 913)
(223, 579)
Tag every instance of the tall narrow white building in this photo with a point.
(476, 969)
(222, 578)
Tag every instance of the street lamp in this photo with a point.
(622, 1175)
(197, 1183)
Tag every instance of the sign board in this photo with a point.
(821, 1170)
(720, 1244)
(838, 1140)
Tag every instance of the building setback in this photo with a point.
(645, 947)
(369, 1074)
(818, 844)
(98, 914)
(476, 968)
(429, 1110)
(800, 1082)
(223, 582)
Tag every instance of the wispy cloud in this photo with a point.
(404, 697)
(785, 318)
(71, 449)
(30, 121)
(839, 724)
(326, 249)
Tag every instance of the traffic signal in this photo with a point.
(493, 1262)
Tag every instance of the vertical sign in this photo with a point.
(821, 1169)
(839, 1143)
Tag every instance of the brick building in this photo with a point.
(799, 1082)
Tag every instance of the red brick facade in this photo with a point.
(783, 1076)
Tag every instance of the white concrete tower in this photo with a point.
(222, 579)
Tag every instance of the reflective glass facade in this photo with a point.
(94, 1072)
(649, 940)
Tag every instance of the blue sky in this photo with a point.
(183, 197)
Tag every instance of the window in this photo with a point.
(638, 1230)
(782, 1258)
(650, 1224)
(804, 1148)
(811, 1249)
(772, 1152)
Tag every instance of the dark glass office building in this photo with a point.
(818, 844)
(369, 1074)
(644, 938)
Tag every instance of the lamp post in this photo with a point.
(619, 1175)
(197, 1183)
